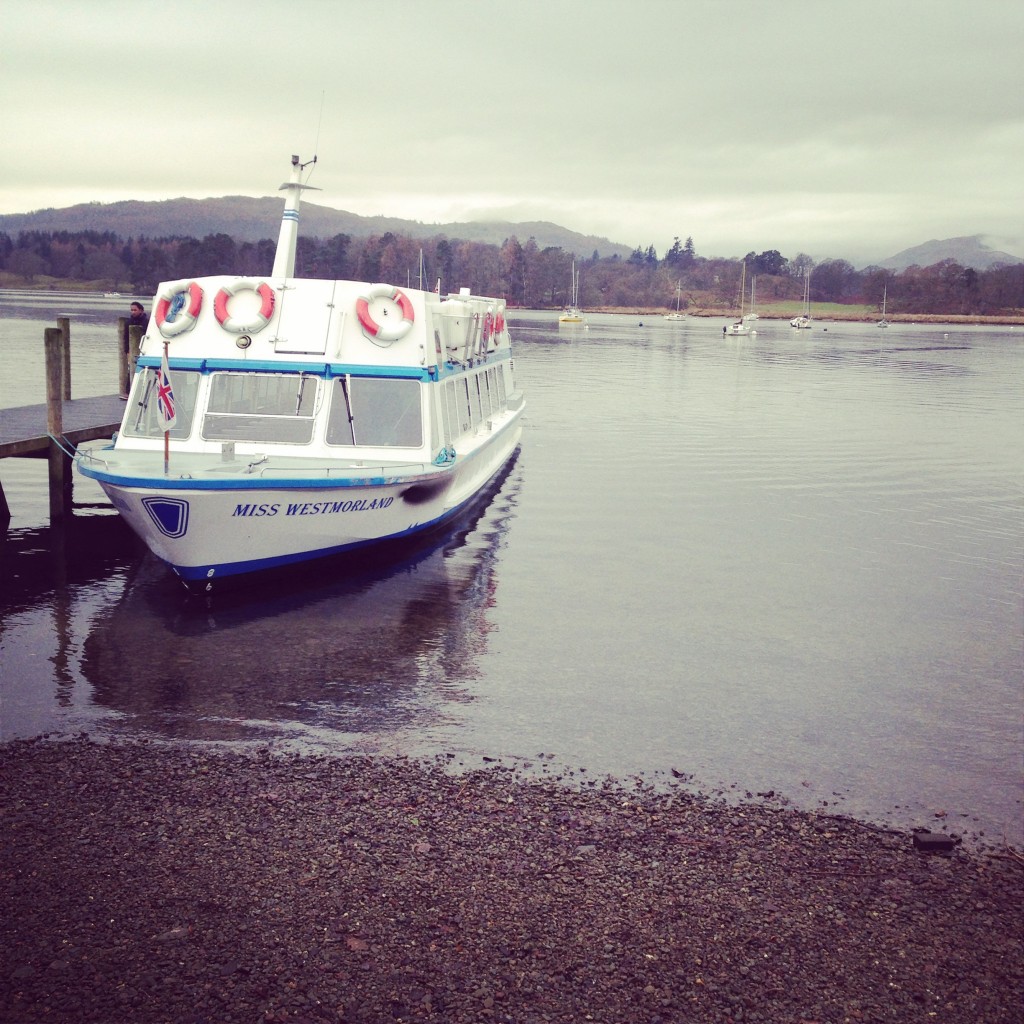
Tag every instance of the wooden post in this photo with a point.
(60, 466)
(135, 336)
(124, 378)
(64, 323)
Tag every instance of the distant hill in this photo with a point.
(968, 251)
(249, 220)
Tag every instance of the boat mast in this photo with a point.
(284, 259)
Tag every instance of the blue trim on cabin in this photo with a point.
(327, 371)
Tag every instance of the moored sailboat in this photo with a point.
(739, 326)
(677, 315)
(572, 314)
(803, 321)
(274, 421)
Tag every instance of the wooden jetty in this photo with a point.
(52, 430)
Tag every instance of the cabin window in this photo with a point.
(144, 420)
(465, 409)
(265, 407)
(375, 411)
(485, 398)
(452, 405)
(436, 433)
(474, 399)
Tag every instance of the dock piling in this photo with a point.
(60, 464)
(64, 323)
(53, 430)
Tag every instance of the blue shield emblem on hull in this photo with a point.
(169, 514)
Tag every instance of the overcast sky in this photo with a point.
(840, 128)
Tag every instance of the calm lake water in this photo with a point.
(787, 563)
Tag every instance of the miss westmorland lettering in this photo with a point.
(313, 508)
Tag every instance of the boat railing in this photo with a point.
(368, 470)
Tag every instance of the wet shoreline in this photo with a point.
(144, 882)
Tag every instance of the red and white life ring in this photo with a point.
(262, 316)
(499, 319)
(177, 308)
(385, 334)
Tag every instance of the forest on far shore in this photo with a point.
(522, 273)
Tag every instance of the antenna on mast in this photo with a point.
(284, 258)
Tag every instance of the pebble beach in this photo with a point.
(143, 883)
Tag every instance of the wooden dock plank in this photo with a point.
(23, 430)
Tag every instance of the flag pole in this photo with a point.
(167, 431)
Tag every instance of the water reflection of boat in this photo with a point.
(374, 653)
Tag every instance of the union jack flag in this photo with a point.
(165, 397)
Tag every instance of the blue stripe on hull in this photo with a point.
(228, 570)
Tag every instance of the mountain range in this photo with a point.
(249, 219)
(967, 250)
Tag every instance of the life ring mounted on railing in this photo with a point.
(177, 308)
(395, 329)
(260, 318)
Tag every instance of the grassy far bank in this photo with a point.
(784, 309)
(826, 311)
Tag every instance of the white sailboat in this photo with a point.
(883, 322)
(677, 315)
(803, 321)
(572, 314)
(739, 326)
(753, 290)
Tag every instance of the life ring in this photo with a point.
(177, 308)
(263, 314)
(499, 320)
(385, 334)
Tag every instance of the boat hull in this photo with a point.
(212, 530)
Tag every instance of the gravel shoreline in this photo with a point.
(148, 883)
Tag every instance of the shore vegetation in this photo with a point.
(529, 277)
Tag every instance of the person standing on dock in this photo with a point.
(137, 317)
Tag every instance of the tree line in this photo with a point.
(522, 273)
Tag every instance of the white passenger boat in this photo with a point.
(305, 418)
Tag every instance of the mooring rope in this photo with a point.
(64, 445)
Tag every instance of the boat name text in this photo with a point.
(312, 508)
